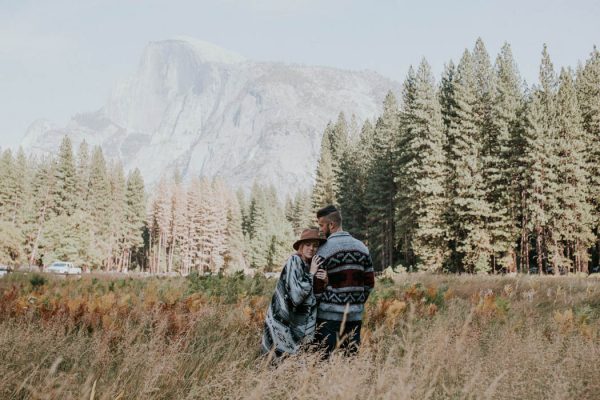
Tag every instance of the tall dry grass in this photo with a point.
(425, 336)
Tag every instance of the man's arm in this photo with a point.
(369, 277)
(319, 285)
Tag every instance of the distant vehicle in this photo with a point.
(4, 270)
(75, 271)
(65, 268)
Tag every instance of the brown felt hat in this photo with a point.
(309, 234)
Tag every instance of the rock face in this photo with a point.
(206, 111)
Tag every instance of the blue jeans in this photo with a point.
(328, 336)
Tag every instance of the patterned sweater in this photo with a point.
(351, 278)
(291, 317)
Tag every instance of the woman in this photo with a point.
(292, 315)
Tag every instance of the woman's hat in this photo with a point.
(309, 234)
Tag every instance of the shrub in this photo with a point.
(37, 281)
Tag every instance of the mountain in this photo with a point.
(204, 110)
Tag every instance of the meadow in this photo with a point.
(424, 337)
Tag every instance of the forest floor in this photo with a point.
(424, 336)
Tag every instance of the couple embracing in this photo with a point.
(319, 298)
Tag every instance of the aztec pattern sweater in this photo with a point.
(351, 278)
(291, 317)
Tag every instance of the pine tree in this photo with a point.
(99, 204)
(8, 186)
(405, 158)
(353, 129)
(14, 194)
(280, 232)
(117, 217)
(63, 240)
(469, 209)
(234, 236)
(177, 223)
(423, 172)
(446, 95)
(65, 190)
(269, 233)
(22, 193)
(160, 222)
(10, 244)
(191, 244)
(588, 96)
(83, 176)
(38, 215)
(245, 209)
(302, 215)
(289, 209)
(501, 151)
(339, 142)
(484, 86)
(351, 191)
(574, 212)
(326, 188)
(258, 233)
(219, 210)
(356, 168)
(381, 187)
(135, 219)
(209, 218)
(539, 160)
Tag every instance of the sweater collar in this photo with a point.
(338, 234)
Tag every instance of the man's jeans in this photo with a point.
(329, 338)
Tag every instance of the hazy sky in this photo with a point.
(61, 57)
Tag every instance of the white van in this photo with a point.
(62, 267)
(4, 270)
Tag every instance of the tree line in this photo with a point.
(82, 208)
(204, 226)
(476, 173)
(77, 208)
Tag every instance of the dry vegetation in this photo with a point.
(424, 337)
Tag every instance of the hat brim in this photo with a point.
(297, 243)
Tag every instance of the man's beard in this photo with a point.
(327, 233)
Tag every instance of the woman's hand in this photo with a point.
(322, 275)
(315, 263)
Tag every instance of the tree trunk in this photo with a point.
(40, 227)
(524, 238)
(539, 250)
(555, 265)
(524, 266)
(527, 255)
(157, 265)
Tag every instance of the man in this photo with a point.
(351, 279)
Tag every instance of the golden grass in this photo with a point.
(425, 336)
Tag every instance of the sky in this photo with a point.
(62, 57)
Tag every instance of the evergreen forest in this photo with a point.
(475, 172)
(79, 207)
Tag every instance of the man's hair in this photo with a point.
(332, 214)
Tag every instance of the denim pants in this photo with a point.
(328, 336)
